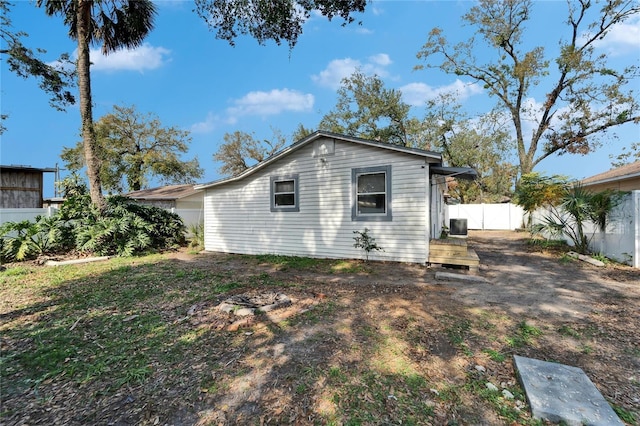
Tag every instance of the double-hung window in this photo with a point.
(371, 194)
(284, 194)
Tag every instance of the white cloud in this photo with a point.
(416, 94)
(623, 38)
(258, 104)
(380, 59)
(377, 10)
(363, 31)
(270, 103)
(206, 126)
(145, 57)
(338, 69)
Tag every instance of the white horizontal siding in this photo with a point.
(238, 217)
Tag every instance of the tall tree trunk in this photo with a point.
(86, 113)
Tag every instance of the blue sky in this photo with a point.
(193, 81)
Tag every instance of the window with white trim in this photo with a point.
(371, 194)
(284, 194)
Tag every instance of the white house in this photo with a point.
(308, 199)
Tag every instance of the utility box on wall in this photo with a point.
(458, 227)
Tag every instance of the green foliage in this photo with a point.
(544, 243)
(601, 257)
(585, 98)
(281, 21)
(366, 242)
(495, 355)
(124, 229)
(289, 262)
(524, 335)
(628, 416)
(627, 156)
(113, 25)
(27, 240)
(72, 186)
(368, 110)
(536, 190)
(573, 209)
(195, 234)
(241, 150)
(477, 142)
(133, 148)
(22, 61)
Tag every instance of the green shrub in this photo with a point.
(27, 240)
(125, 228)
(196, 236)
(366, 242)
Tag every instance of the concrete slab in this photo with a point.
(562, 393)
(76, 261)
(459, 277)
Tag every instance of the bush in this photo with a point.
(125, 228)
(196, 236)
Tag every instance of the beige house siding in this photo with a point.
(624, 178)
(238, 218)
(619, 185)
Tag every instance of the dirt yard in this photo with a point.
(381, 343)
(589, 317)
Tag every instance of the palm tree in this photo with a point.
(114, 24)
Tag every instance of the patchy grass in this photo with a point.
(524, 335)
(285, 263)
(140, 341)
(543, 244)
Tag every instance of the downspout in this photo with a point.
(428, 211)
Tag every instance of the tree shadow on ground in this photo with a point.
(141, 342)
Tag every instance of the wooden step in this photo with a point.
(448, 247)
(470, 260)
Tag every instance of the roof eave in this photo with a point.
(612, 179)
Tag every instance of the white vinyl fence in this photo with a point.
(621, 240)
(18, 215)
(488, 216)
(189, 216)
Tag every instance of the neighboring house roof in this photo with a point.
(628, 171)
(169, 192)
(436, 157)
(466, 173)
(21, 168)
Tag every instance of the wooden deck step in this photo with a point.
(448, 247)
(470, 260)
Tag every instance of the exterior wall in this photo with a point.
(238, 218)
(192, 202)
(619, 185)
(21, 189)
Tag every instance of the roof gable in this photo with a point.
(434, 156)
